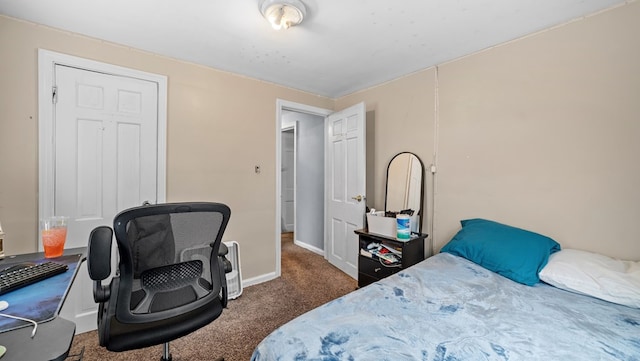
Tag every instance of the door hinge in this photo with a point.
(54, 92)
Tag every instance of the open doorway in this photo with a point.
(343, 180)
(301, 123)
(302, 197)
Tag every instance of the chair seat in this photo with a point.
(130, 336)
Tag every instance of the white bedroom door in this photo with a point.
(105, 141)
(105, 148)
(345, 186)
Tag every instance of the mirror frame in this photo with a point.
(422, 176)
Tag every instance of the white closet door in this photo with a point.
(106, 160)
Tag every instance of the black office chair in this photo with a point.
(171, 274)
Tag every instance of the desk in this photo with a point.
(55, 334)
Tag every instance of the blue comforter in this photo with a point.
(447, 308)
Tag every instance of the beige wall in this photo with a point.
(541, 133)
(219, 127)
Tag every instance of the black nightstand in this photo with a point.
(372, 269)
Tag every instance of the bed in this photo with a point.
(449, 307)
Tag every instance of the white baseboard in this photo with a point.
(259, 279)
(308, 247)
(272, 275)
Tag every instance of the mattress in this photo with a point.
(448, 308)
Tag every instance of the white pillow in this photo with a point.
(595, 275)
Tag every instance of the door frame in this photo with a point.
(294, 129)
(300, 108)
(47, 60)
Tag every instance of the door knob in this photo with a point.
(358, 198)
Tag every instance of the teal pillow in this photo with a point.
(509, 251)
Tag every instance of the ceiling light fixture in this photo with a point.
(282, 14)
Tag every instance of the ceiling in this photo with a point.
(341, 47)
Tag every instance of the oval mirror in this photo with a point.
(405, 185)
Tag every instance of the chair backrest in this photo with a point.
(168, 262)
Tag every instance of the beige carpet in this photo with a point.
(307, 281)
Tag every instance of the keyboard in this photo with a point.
(24, 274)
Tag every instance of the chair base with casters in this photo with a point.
(159, 292)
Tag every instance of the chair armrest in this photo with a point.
(99, 261)
(225, 267)
(223, 250)
(222, 270)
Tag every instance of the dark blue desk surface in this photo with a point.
(41, 302)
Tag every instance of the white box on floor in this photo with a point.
(234, 278)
